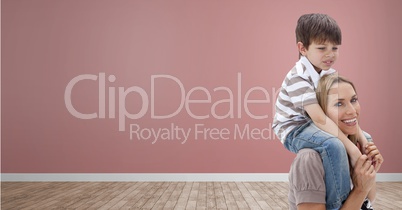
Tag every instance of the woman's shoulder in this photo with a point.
(308, 153)
(306, 178)
(307, 165)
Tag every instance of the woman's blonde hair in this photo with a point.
(323, 88)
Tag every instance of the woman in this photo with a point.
(338, 99)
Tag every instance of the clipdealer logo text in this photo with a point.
(236, 102)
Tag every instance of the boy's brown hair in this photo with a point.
(317, 28)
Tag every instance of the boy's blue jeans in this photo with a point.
(334, 158)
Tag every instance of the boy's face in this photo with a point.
(321, 56)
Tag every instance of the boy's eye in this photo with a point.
(334, 48)
(321, 48)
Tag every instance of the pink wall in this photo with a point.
(169, 54)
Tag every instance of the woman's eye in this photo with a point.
(338, 104)
(354, 100)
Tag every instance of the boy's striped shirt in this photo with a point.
(297, 91)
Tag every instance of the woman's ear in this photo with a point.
(301, 48)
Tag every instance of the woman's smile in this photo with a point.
(343, 107)
(350, 122)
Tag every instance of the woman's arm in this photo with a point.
(306, 181)
(373, 192)
(363, 179)
(374, 154)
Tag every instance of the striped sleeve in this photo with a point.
(296, 92)
(301, 92)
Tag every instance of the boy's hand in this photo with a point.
(374, 154)
(363, 176)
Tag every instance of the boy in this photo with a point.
(300, 122)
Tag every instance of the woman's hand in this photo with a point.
(374, 155)
(363, 176)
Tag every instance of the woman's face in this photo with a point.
(343, 107)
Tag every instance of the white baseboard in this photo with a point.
(164, 177)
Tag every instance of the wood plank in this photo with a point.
(16, 193)
(219, 197)
(241, 202)
(161, 202)
(98, 197)
(69, 196)
(124, 189)
(168, 195)
(184, 196)
(119, 201)
(266, 195)
(49, 195)
(251, 202)
(211, 202)
(202, 196)
(192, 200)
(155, 196)
(277, 199)
(130, 195)
(154, 186)
(228, 195)
(256, 195)
(134, 196)
(171, 203)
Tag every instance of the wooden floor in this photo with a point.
(164, 195)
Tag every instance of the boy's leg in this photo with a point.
(335, 161)
(337, 174)
(291, 143)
